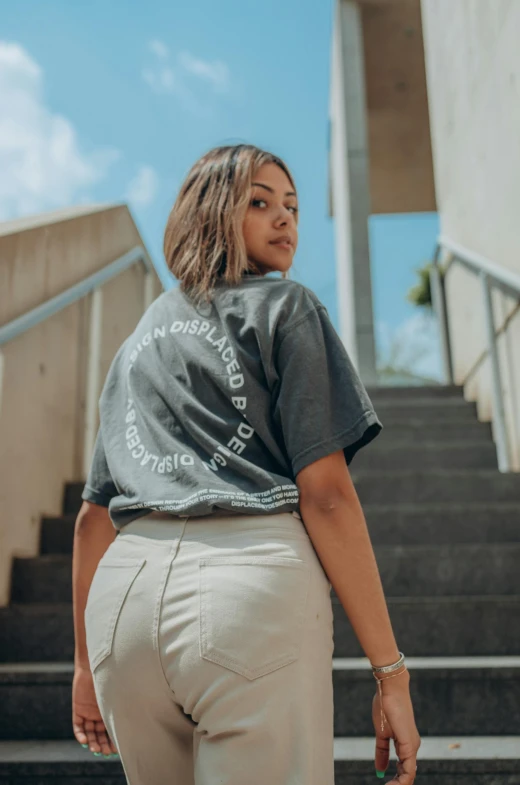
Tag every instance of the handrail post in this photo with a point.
(93, 377)
(499, 417)
(148, 289)
(2, 367)
(439, 305)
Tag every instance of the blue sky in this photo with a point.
(114, 102)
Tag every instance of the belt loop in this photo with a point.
(182, 535)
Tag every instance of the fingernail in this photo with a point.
(380, 774)
(97, 754)
(84, 746)
(108, 755)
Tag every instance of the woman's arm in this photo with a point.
(333, 517)
(335, 522)
(93, 533)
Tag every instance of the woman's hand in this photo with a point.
(89, 728)
(399, 725)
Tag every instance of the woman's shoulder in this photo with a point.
(296, 302)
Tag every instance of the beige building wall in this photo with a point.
(401, 170)
(473, 75)
(44, 370)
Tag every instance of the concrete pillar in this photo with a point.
(351, 189)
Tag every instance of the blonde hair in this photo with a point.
(203, 239)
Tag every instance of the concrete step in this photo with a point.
(460, 696)
(444, 570)
(36, 632)
(442, 626)
(57, 534)
(385, 456)
(424, 626)
(433, 486)
(431, 409)
(383, 392)
(402, 430)
(441, 524)
(72, 500)
(409, 486)
(442, 760)
(389, 524)
(406, 570)
(452, 699)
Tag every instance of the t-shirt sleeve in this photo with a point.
(99, 487)
(320, 404)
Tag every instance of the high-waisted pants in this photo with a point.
(210, 641)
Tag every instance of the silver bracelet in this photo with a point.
(390, 668)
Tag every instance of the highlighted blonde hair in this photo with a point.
(203, 239)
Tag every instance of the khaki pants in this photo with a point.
(210, 640)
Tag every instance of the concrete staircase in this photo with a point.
(445, 525)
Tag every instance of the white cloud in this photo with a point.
(160, 49)
(161, 80)
(216, 73)
(42, 166)
(412, 347)
(143, 187)
(165, 76)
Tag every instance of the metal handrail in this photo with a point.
(501, 277)
(33, 317)
(491, 276)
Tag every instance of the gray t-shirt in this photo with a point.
(219, 407)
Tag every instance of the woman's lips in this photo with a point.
(286, 246)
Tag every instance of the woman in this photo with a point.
(204, 630)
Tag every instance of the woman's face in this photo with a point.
(272, 216)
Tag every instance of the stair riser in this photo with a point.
(62, 773)
(449, 570)
(57, 535)
(405, 432)
(448, 411)
(453, 772)
(437, 628)
(462, 487)
(388, 525)
(405, 571)
(458, 703)
(416, 393)
(429, 628)
(410, 457)
(395, 488)
(438, 527)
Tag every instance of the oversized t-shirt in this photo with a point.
(217, 407)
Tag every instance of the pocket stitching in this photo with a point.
(230, 662)
(137, 565)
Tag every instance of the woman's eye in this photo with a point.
(256, 201)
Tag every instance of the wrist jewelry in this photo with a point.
(390, 668)
(380, 688)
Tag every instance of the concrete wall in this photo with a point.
(42, 397)
(401, 170)
(473, 76)
(350, 190)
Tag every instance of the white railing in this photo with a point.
(492, 276)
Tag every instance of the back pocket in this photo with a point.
(108, 590)
(252, 611)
